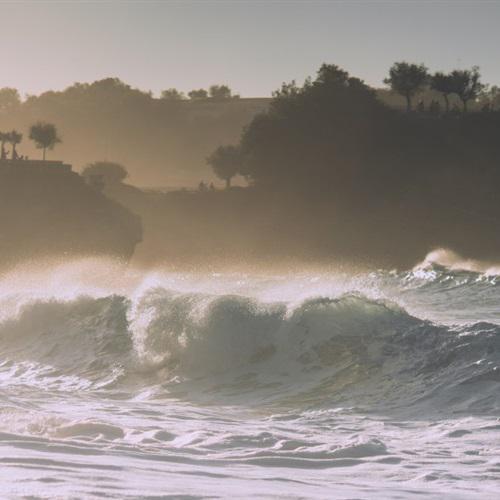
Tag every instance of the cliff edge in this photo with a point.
(47, 210)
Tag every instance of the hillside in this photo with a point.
(162, 142)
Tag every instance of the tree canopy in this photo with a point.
(225, 161)
(110, 172)
(440, 82)
(407, 79)
(324, 124)
(466, 84)
(9, 98)
(172, 95)
(221, 92)
(198, 94)
(44, 135)
(15, 138)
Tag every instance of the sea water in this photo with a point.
(120, 383)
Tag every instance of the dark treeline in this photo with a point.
(163, 141)
(214, 93)
(413, 87)
(337, 174)
(325, 128)
(375, 180)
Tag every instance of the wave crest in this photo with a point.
(348, 350)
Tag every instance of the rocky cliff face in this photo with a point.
(49, 211)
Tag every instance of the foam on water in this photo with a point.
(116, 382)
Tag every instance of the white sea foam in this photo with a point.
(122, 383)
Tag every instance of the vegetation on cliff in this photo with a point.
(163, 141)
(342, 175)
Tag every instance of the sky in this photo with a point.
(253, 46)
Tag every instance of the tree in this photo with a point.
(172, 95)
(9, 98)
(109, 172)
(15, 138)
(490, 97)
(313, 132)
(4, 137)
(44, 135)
(225, 162)
(220, 92)
(443, 84)
(407, 79)
(466, 84)
(198, 94)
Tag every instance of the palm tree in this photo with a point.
(44, 135)
(14, 137)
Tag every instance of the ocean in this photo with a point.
(122, 383)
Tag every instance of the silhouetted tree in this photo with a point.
(172, 95)
(220, 92)
(9, 98)
(407, 79)
(225, 162)
(44, 135)
(15, 138)
(4, 137)
(109, 172)
(443, 84)
(198, 94)
(467, 85)
(312, 132)
(490, 96)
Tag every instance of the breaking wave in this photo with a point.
(120, 383)
(351, 349)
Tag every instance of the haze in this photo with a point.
(251, 46)
(250, 249)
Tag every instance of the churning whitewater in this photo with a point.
(119, 383)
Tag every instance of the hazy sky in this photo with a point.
(251, 45)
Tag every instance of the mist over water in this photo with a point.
(121, 382)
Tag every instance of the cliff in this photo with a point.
(48, 210)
